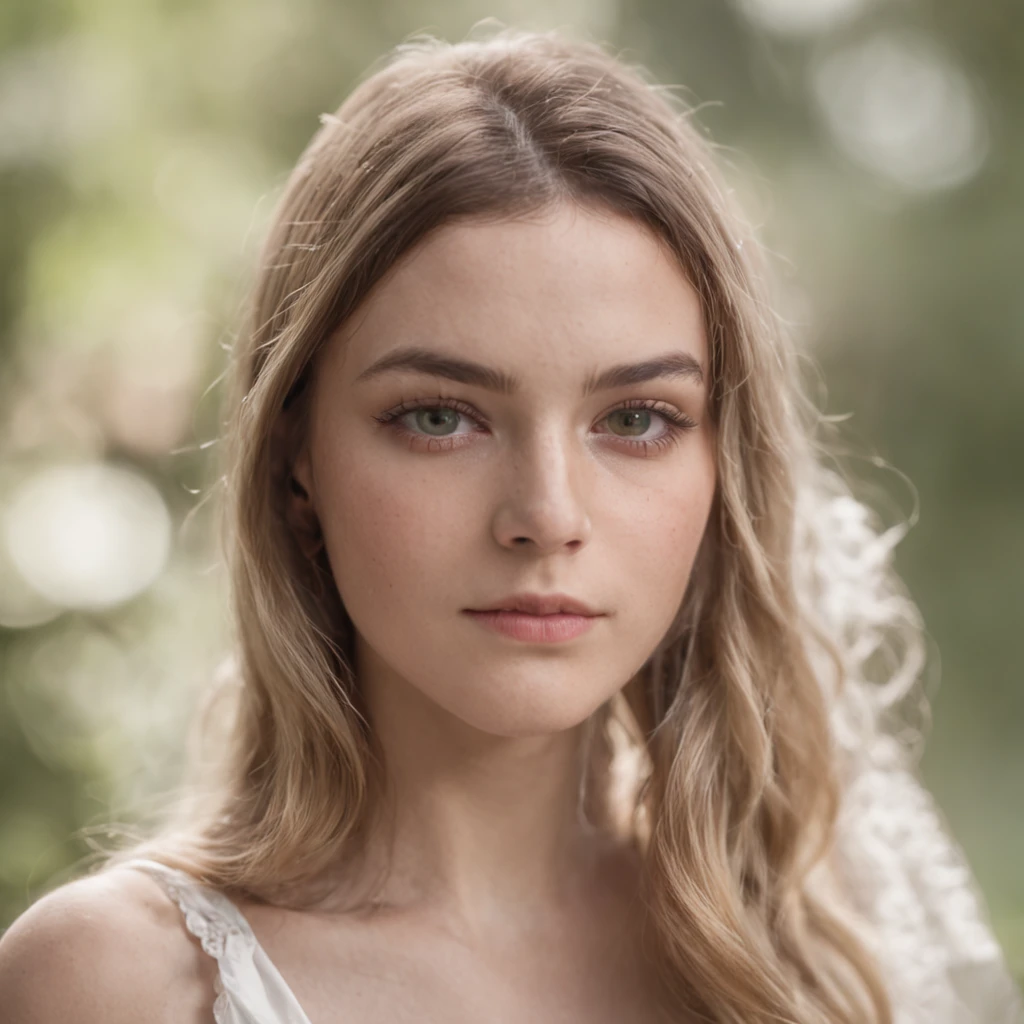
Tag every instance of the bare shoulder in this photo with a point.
(108, 948)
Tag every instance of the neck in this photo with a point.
(478, 827)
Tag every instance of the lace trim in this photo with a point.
(212, 919)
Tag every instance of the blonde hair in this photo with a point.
(738, 775)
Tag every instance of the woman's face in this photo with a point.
(557, 481)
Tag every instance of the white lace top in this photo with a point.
(250, 989)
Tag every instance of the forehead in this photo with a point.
(567, 291)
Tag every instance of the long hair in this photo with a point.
(737, 774)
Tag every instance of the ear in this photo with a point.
(301, 505)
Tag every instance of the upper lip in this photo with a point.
(540, 604)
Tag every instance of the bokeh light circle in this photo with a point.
(801, 17)
(901, 107)
(87, 536)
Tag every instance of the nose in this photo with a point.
(543, 500)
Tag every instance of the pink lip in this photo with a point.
(544, 629)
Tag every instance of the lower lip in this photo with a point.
(542, 629)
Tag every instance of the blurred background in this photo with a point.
(143, 143)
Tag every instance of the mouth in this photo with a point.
(555, 627)
(541, 605)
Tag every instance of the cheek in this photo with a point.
(653, 533)
(661, 534)
(657, 514)
(393, 536)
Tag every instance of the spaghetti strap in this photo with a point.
(249, 987)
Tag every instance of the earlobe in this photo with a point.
(301, 507)
(302, 474)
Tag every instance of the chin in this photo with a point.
(522, 713)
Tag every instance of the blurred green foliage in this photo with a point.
(142, 144)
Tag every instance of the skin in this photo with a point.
(501, 902)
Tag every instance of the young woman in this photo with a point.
(550, 700)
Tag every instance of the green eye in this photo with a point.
(632, 415)
(428, 420)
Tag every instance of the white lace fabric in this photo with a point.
(927, 918)
(250, 989)
(897, 861)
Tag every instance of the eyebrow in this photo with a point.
(422, 360)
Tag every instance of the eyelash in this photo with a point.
(677, 423)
